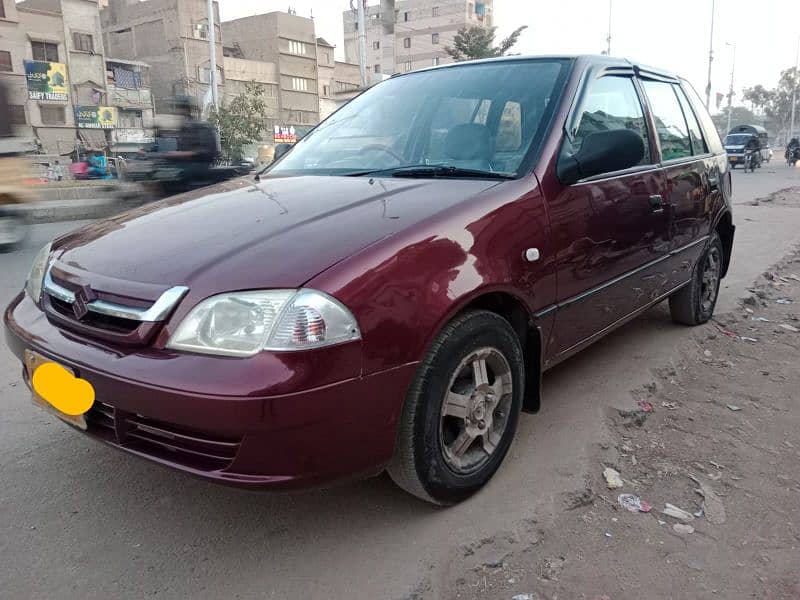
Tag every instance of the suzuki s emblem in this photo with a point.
(83, 297)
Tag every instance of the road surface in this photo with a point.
(80, 520)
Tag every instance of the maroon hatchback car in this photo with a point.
(389, 293)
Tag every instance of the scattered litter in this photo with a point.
(670, 405)
(613, 480)
(795, 277)
(614, 519)
(749, 311)
(646, 406)
(608, 534)
(744, 338)
(788, 444)
(707, 353)
(712, 506)
(719, 466)
(734, 408)
(791, 328)
(512, 580)
(783, 301)
(727, 332)
(677, 513)
(698, 513)
(634, 462)
(633, 503)
(763, 320)
(524, 597)
(660, 522)
(682, 529)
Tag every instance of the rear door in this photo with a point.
(609, 231)
(688, 167)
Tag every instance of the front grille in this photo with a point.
(190, 448)
(96, 320)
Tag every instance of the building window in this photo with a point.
(16, 113)
(299, 84)
(2, 10)
(406, 16)
(51, 114)
(44, 51)
(376, 45)
(435, 11)
(407, 66)
(130, 119)
(434, 38)
(5, 61)
(435, 61)
(326, 90)
(200, 31)
(83, 42)
(377, 68)
(205, 75)
(346, 86)
(326, 58)
(299, 48)
(406, 42)
(375, 17)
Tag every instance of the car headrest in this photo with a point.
(469, 141)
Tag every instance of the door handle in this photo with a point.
(656, 204)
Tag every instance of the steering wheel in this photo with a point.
(383, 148)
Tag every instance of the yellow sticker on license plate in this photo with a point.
(733, 158)
(49, 392)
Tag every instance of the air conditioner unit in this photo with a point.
(201, 31)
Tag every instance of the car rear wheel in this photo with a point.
(694, 304)
(461, 411)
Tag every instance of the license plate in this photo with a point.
(733, 158)
(32, 361)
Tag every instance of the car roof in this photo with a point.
(584, 61)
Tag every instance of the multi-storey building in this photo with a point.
(339, 81)
(128, 86)
(404, 35)
(52, 61)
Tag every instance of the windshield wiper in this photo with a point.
(435, 171)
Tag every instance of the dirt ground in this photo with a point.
(716, 434)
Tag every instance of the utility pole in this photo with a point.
(710, 58)
(212, 55)
(730, 90)
(362, 42)
(608, 39)
(794, 91)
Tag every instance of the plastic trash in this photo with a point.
(633, 503)
(791, 328)
(783, 301)
(645, 406)
(682, 529)
(734, 408)
(677, 513)
(744, 338)
(613, 479)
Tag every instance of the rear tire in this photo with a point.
(461, 411)
(694, 304)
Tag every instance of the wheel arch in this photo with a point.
(725, 229)
(513, 310)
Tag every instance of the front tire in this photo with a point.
(694, 304)
(461, 411)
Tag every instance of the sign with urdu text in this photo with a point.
(46, 80)
(96, 117)
(284, 135)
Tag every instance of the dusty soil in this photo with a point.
(716, 434)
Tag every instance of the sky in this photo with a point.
(670, 34)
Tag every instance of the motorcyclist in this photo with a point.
(754, 145)
(792, 147)
(198, 144)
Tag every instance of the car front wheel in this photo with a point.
(461, 411)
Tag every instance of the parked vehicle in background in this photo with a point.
(13, 185)
(742, 137)
(389, 293)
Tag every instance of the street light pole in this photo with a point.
(212, 55)
(710, 57)
(608, 39)
(794, 91)
(730, 90)
(362, 42)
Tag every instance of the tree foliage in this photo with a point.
(241, 121)
(740, 115)
(776, 104)
(478, 42)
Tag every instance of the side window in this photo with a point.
(695, 133)
(670, 124)
(611, 103)
(711, 133)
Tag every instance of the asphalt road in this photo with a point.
(79, 520)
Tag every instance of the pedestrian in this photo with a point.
(58, 171)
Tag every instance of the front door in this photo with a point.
(610, 231)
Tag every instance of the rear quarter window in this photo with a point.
(709, 129)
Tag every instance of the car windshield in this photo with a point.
(737, 139)
(455, 121)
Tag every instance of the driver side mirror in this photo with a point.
(602, 152)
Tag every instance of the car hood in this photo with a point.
(278, 233)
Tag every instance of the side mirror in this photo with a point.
(602, 152)
(280, 150)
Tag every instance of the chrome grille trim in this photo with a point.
(158, 312)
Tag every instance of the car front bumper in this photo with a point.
(252, 423)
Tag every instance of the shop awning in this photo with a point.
(56, 140)
(93, 139)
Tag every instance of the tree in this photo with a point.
(478, 42)
(241, 121)
(758, 96)
(740, 115)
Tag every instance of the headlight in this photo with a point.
(245, 323)
(36, 276)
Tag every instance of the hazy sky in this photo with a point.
(672, 34)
